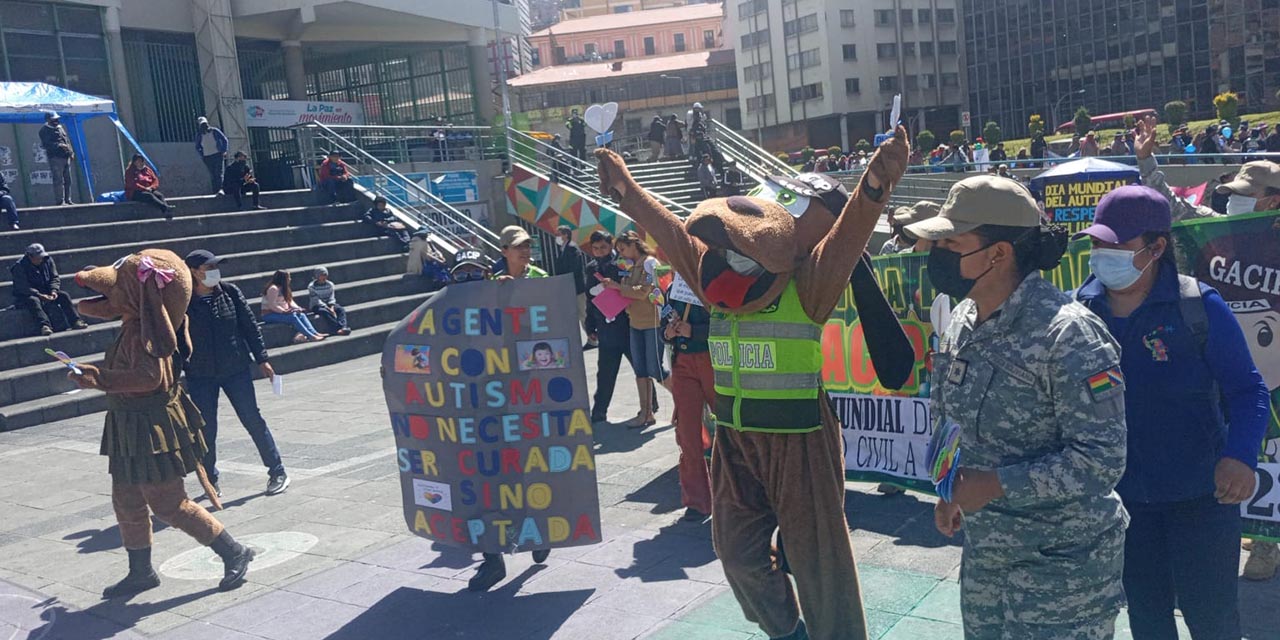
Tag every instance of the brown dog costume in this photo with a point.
(772, 270)
(152, 435)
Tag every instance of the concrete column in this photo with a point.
(482, 76)
(119, 72)
(844, 132)
(295, 71)
(220, 69)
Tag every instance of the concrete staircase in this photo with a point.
(294, 233)
(674, 179)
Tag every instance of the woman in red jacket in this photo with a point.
(142, 185)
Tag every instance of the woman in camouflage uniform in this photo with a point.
(1032, 379)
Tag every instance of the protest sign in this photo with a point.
(1071, 190)
(887, 432)
(681, 292)
(487, 393)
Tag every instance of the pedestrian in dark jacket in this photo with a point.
(238, 179)
(1196, 409)
(10, 207)
(212, 146)
(577, 135)
(225, 344)
(58, 150)
(384, 221)
(36, 288)
(573, 262)
(613, 338)
(657, 135)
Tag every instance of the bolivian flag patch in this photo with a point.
(1105, 383)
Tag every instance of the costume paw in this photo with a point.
(615, 178)
(890, 162)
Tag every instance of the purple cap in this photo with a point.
(1127, 213)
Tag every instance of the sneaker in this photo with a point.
(343, 331)
(889, 489)
(46, 330)
(277, 484)
(260, 208)
(216, 489)
(540, 555)
(14, 227)
(693, 515)
(80, 324)
(489, 573)
(1262, 561)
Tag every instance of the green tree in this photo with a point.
(1175, 113)
(991, 134)
(925, 141)
(957, 137)
(1129, 121)
(807, 153)
(1083, 121)
(1227, 105)
(784, 157)
(834, 151)
(1035, 126)
(863, 145)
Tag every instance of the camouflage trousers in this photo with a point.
(1067, 592)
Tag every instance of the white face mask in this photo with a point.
(1114, 267)
(1237, 205)
(560, 241)
(211, 278)
(743, 265)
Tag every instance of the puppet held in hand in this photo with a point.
(772, 268)
(152, 437)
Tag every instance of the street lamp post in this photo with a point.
(683, 95)
(1059, 103)
(501, 57)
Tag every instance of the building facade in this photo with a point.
(657, 32)
(1029, 57)
(824, 72)
(573, 9)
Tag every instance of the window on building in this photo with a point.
(803, 24)
(757, 72)
(57, 44)
(908, 49)
(619, 48)
(847, 19)
(852, 86)
(907, 17)
(850, 51)
(947, 47)
(558, 55)
(924, 16)
(804, 59)
(950, 79)
(650, 47)
(535, 56)
(884, 17)
(946, 16)
(911, 82)
(926, 49)
(751, 8)
(760, 103)
(806, 92)
(708, 39)
(886, 50)
(888, 83)
(929, 81)
(626, 8)
(755, 39)
(679, 42)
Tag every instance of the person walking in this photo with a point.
(612, 336)
(577, 135)
(646, 344)
(693, 391)
(238, 179)
(707, 178)
(8, 205)
(59, 152)
(1032, 381)
(212, 146)
(1196, 409)
(573, 262)
(324, 301)
(142, 185)
(278, 307)
(657, 135)
(225, 345)
(38, 289)
(673, 148)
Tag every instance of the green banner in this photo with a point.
(887, 432)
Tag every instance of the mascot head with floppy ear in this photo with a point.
(755, 242)
(151, 288)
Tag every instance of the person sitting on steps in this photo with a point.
(36, 288)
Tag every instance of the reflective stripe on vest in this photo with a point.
(767, 368)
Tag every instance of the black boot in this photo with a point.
(489, 573)
(141, 576)
(801, 633)
(540, 555)
(235, 560)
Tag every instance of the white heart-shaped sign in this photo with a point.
(600, 117)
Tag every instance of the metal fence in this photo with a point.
(164, 79)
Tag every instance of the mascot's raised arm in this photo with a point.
(772, 268)
(152, 435)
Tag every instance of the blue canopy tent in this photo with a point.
(27, 102)
(1084, 169)
(1071, 191)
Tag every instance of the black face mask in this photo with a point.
(944, 271)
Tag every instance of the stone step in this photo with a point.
(82, 214)
(29, 350)
(49, 378)
(285, 361)
(154, 229)
(72, 260)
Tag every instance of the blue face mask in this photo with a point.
(1114, 267)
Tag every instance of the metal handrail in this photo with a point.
(439, 215)
(398, 143)
(574, 172)
(751, 157)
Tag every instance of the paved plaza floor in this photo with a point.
(336, 560)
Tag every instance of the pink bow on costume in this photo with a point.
(148, 269)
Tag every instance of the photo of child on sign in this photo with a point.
(413, 359)
(542, 354)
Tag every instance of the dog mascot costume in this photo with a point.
(152, 437)
(772, 268)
